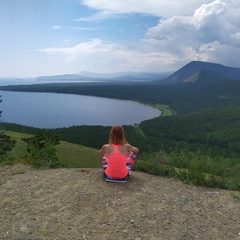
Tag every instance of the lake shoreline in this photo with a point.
(56, 110)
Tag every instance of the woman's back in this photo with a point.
(117, 161)
(117, 156)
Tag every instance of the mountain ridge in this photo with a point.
(91, 76)
(191, 73)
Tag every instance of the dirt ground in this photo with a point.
(79, 204)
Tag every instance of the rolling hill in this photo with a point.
(193, 72)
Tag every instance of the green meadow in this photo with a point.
(69, 154)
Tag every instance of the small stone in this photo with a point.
(23, 229)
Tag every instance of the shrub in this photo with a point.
(41, 149)
(6, 144)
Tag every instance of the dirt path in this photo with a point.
(79, 204)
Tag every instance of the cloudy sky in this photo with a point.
(50, 37)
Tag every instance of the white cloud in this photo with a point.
(77, 50)
(57, 27)
(222, 53)
(210, 33)
(98, 16)
(161, 8)
(207, 11)
(236, 37)
(72, 28)
(110, 57)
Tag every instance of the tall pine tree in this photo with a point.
(6, 143)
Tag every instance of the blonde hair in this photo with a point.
(117, 136)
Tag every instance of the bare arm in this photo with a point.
(132, 148)
(102, 150)
(106, 149)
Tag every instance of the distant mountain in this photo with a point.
(195, 87)
(65, 77)
(133, 75)
(202, 73)
(121, 76)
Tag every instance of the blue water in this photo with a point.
(53, 110)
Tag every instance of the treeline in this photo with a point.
(90, 136)
(215, 128)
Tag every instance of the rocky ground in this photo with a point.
(79, 204)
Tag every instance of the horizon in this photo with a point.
(49, 38)
(93, 75)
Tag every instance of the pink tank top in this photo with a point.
(116, 164)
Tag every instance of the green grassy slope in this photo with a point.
(74, 155)
(69, 154)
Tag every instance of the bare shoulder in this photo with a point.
(128, 146)
(131, 148)
(107, 149)
(106, 145)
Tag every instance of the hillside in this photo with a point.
(78, 204)
(69, 154)
(191, 73)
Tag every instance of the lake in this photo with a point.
(53, 110)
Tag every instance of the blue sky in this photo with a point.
(51, 37)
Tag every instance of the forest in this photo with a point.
(206, 143)
(216, 128)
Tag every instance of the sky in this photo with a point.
(53, 37)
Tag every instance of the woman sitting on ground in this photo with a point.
(118, 156)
